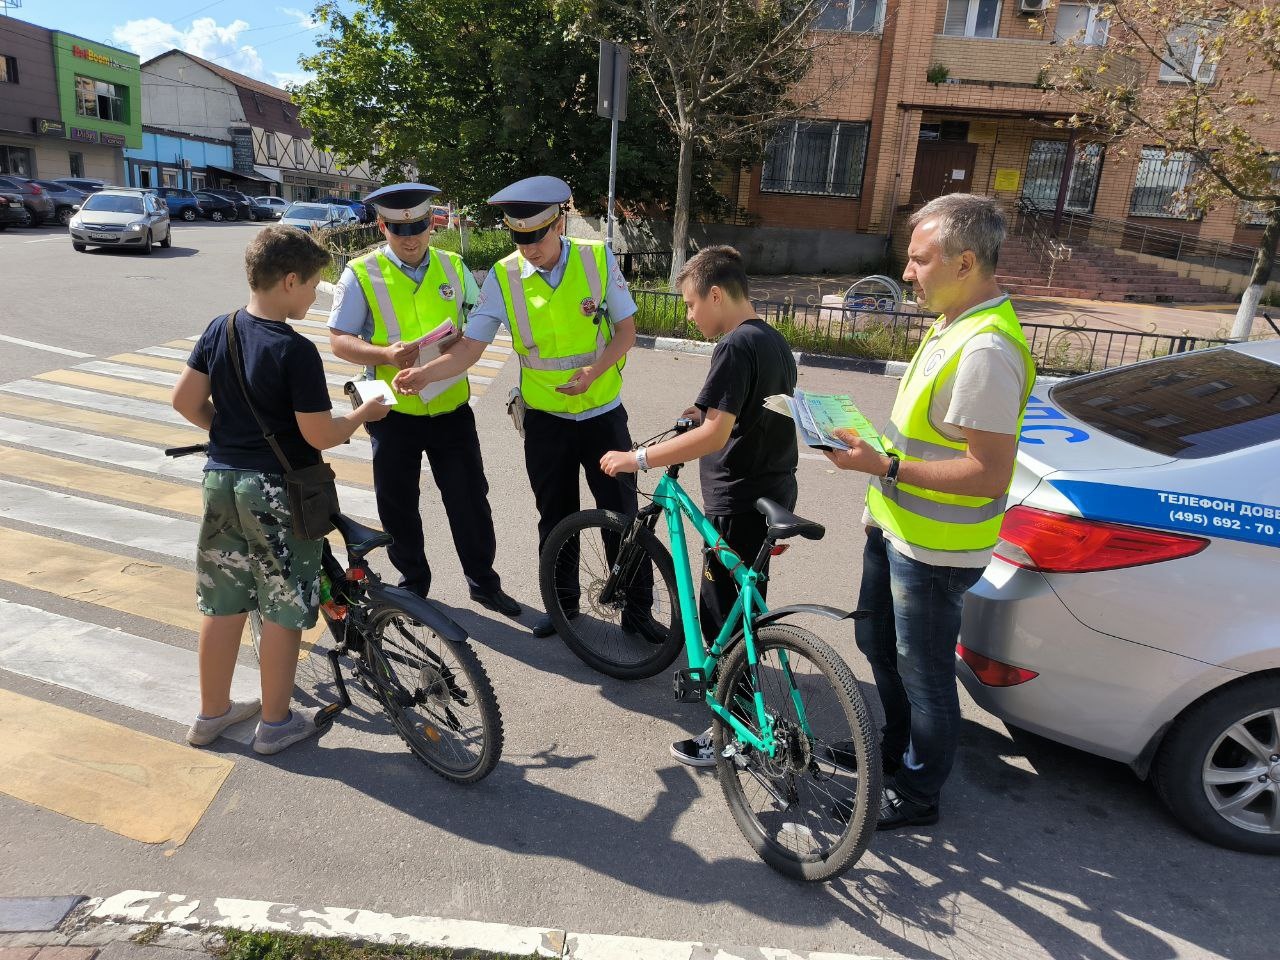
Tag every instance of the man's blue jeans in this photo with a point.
(910, 642)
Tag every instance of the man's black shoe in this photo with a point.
(645, 625)
(896, 812)
(417, 589)
(545, 628)
(841, 753)
(498, 602)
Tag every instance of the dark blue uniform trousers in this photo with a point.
(453, 450)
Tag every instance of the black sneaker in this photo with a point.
(697, 751)
(544, 627)
(896, 812)
(497, 601)
(645, 625)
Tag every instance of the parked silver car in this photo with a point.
(1131, 609)
(278, 205)
(315, 216)
(121, 218)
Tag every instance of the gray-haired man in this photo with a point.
(935, 501)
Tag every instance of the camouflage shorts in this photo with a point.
(248, 558)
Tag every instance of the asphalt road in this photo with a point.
(588, 823)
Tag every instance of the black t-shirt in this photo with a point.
(285, 376)
(749, 364)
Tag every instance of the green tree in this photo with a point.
(1219, 64)
(474, 94)
(724, 73)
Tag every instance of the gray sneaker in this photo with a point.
(204, 730)
(699, 751)
(301, 724)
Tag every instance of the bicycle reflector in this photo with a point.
(993, 673)
(779, 549)
(1056, 543)
(357, 574)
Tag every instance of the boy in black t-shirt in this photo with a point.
(247, 557)
(746, 451)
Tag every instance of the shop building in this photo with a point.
(168, 158)
(68, 106)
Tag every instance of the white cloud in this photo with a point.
(205, 38)
(282, 78)
(305, 20)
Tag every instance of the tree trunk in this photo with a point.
(680, 218)
(1262, 261)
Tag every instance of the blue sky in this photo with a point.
(262, 39)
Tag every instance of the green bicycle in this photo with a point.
(796, 753)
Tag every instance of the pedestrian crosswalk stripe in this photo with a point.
(331, 363)
(104, 384)
(73, 475)
(134, 785)
(177, 366)
(126, 372)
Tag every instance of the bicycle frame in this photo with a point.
(676, 505)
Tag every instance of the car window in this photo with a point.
(308, 211)
(1187, 406)
(112, 203)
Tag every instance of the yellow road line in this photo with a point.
(177, 366)
(96, 381)
(134, 785)
(72, 475)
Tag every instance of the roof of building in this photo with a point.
(231, 76)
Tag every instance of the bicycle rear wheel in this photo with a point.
(636, 632)
(437, 695)
(810, 810)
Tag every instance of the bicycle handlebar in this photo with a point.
(185, 451)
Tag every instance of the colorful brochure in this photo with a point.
(818, 415)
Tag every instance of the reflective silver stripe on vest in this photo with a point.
(383, 296)
(942, 512)
(450, 274)
(533, 360)
(920, 449)
(520, 307)
(558, 363)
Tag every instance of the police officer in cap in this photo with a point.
(384, 302)
(571, 318)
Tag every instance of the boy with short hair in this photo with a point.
(247, 556)
(746, 451)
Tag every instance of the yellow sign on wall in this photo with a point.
(1007, 179)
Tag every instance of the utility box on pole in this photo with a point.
(611, 103)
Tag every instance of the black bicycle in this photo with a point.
(408, 654)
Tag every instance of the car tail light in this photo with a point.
(1056, 543)
(994, 673)
(36, 189)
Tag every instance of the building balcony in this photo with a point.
(1005, 62)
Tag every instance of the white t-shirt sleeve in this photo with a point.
(989, 386)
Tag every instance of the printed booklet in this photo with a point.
(818, 415)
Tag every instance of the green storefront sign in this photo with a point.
(99, 92)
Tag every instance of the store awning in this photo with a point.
(271, 173)
(241, 174)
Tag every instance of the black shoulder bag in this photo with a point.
(312, 491)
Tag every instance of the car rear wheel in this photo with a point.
(233, 214)
(64, 215)
(216, 215)
(1218, 769)
(27, 218)
(188, 214)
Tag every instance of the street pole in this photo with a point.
(611, 103)
(613, 175)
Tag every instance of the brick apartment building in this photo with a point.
(939, 96)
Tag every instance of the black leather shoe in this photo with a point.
(498, 602)
(645, 625)
(545, 628)
(841, 752)
(896, 812)
(417, 589)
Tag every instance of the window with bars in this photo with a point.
(1163, 177)
(1044, 175)
(816, 156)
(972, 18)
(1257, 214)
(855, 16)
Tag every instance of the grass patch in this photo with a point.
(484, 247)
(242, 945)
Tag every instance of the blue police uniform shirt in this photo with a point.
(490, 312)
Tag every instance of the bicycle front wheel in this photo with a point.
(635, 631)
(808, 811)
(436, 693)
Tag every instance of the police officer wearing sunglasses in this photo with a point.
(384, 302)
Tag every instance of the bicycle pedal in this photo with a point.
(327, 714)
(689, 686)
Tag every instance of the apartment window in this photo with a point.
(198, 181)
(1257, 214)
(8, 69)
(16, 161)
(271, 147)
(1044, 175)
(298, 154)
(856, 16)
(815, 156)
(76, 161)
(169, 178)
(1162, 179)
(96, 98)
(1080, 23)
(144, 176)
(972, 18)
(1184, 56)
(257, 101)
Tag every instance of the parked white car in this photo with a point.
(1131, 609)
(316, 216)
(277, 205)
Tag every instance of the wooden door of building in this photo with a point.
(942, 166)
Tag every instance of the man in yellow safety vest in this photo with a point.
(383, 304)
(936, 497)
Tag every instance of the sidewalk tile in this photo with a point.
(127, 950)
(18, 953)
(19, 914)
(67, 953)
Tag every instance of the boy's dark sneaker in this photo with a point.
(896, 812)
(697, 751)
(543, 627)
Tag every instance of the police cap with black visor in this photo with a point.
(532, 206)
(404, 207)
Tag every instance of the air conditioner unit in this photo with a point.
(186, 164)
(1033, 6)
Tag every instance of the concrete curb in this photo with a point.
(125, 915)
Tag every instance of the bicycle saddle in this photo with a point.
(783, 523)
(360, 539)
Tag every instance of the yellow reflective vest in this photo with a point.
(405, 311)
(555, 332)
(928, 518)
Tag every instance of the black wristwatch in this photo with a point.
(892, 475)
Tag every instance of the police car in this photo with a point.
(1133, 605)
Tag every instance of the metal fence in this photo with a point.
(1067, 348)
(346, 243)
